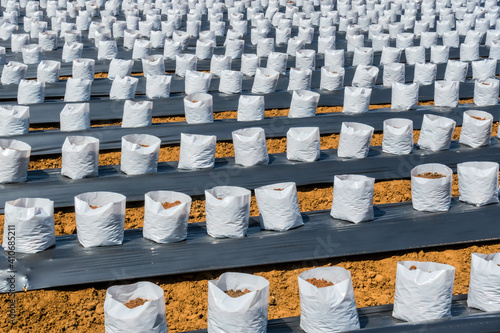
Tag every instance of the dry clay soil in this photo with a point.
(80, 309)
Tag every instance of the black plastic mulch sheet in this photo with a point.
(396, 227)
(105, 109)
(51, 185)
(379, 319)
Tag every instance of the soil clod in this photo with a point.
(320, 283)
(430, 175)
(168, 205)
(237, 293)
(135, 303)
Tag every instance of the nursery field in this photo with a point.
(249, 166)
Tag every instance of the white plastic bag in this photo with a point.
(32, 54)
(469, 51)
(334, 58)
(120, 67)
(393, 73)
(303, 144)
(198, 108)
(436, 132)
(75, 117)
(204, 48)
(404, 96)
(14, 160)
(363, 56)
(423, 291)
(446, 93)
(251, 108)
(244, 314)
(484, 285)
(303, 104)
(197, 82)
(249, 64)
(227, 212)
(139, 154)
(439, 54)
(185, 62)
(123, 87)
(353, 198)
(277, 61)
(71, 51)
(141, 50)
(265, 81)
(250, 146)
(476, 128)
(478, 182)
(354, 141)
(278, 206)
(30, 92)
(48, 71)
(486, 92)
(305, 59)
(365, 76)
(390, 55)
(327, 309)
(166, 216)
(197, 151)
(153, 65)
(158, 86)
(149, 317)
(415, 55)
(14, 120)
(456, 71)
(234, 48)
(294, 44)
(107, 49)
(484, 69)
(431, 194)
(13, 73)
(425, 73)
(398, 136)
(264, 47)
(80, 157)
(356, 99)
(219, 63)
(18, 41)
(33, 222)
(172, 49)
(332, 78)
(230, 81)
(100, 218)
(137, 113)
(77, 90)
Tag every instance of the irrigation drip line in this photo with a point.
(102, 108)
(396, 227)
(51, 141)
(378, 319)
(102, 87)
(49, 183)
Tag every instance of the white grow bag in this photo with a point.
(303, 144)
(80, 157)
(478, 182)
(139, 154)
(431, 195)
(353, 198)
(484, 286)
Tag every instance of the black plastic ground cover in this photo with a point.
(379, 319)
(51, 141)
(102, 108)
(49, 183)
(396, 227)
(102, 87)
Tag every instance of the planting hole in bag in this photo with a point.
(197, 151)
(484, 293)
(227, 211)
(446, 93)
(423, 291)
(123, 87)
(138, 307)
(278, 207)
(166, 215)
(353, 198)
(304, 104)
(158, 86)
(14, 161)
(250, 146)
(100, 218)
(404, 96)
(431, 187)
(476, 128)
(327, 302)
(354, 141)
(139, 154)
(486, 92)
(398, 136)
(246, 313)
(478, 182)
(356, 99)
(33, 222)
(80, 157)
(303, 144)
(198, 108)
(75, 117)
(436, 132)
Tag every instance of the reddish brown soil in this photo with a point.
(94, 207)
(478, 118)
(320, 283)
(168, 205)
(237, 293)
(413, 267)
(135, 303)
(145, 146)
(279, 189)
(430, 175)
